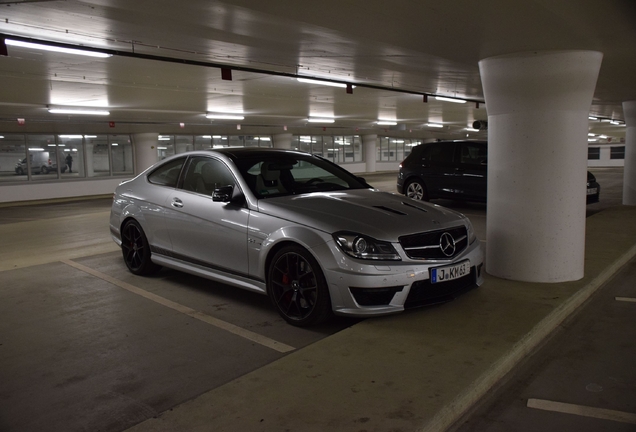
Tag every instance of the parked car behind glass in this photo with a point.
(41, 163)
(312, 236)
(455, 170)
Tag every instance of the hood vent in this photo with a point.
(390, 210)
(415, 207)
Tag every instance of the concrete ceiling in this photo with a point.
(394, 52)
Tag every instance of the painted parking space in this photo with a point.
(582, 379)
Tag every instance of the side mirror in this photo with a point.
(223, 193)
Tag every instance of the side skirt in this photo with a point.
(209, 273)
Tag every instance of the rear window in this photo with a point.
(167, 174)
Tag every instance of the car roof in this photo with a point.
(257, 152)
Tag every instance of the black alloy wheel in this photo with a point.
(136, 250)
(416, 189)
(297, 287)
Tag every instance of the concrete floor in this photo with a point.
(85, 345)
(588, 364)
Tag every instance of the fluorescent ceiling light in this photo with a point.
(592, 118)
(36, 149)
(320, 120)
(471, 129)
(592, 140)
(114, 144)
(398, 141)
(214, 115)
(325, 83)
(437, 125)
(54, 48)
(78, 111)
(602, 136)
(386, 122)
(162, 148)
(615, 122)
(1, 137)
(164, 138)
(446, 99)
(591, 134)
(71, 136)
(265, 139)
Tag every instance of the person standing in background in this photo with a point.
(69, 162)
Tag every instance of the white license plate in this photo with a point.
(447, 273)
(592, 191)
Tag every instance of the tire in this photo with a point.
(19, 171)
(416, 189)
(44, 170)
(136, 250)
(298, 288)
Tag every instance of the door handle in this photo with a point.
(177, 203)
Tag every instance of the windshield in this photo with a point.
(281, 175)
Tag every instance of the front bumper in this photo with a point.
(381, 288)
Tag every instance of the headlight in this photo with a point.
(364, 247)
(471, 232)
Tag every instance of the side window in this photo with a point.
(167, 174)
(205, 174)
(472, 154)
(441, 153)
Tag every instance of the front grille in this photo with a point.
(427, 245)
(425, 293)
(374, 296)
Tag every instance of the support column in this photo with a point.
(629, 175)
(282, 141)
(538, 105)
(145, 150)
(369, 145)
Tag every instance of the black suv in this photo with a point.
(455, 170)
(445, 169)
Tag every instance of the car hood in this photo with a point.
(381, 215)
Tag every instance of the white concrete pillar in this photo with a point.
(90, 163)
(369, 146)
(629, 175)
(145, 150)
(282, 141)
(538, 105)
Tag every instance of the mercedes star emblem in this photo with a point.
(447, 244)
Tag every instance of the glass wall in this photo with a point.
(617, 152)
(71, 154)
(44, 157)
(593, 153)
(121, 154)
(13, 162)
(394, 149)
(338, 149)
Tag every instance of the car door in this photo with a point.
(151, 194)
(472, 171)
(204, 232)
(439, 170)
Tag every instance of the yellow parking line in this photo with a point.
(246, 334)
(580, 410)
(626, 299)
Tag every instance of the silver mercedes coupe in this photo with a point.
(312, 236)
